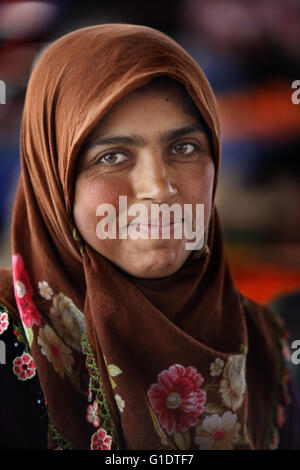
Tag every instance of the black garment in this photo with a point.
(23, 415)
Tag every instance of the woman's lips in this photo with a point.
(157, 228)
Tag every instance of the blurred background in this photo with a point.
(250, 52)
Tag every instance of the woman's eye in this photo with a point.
(183, 149)
(112, 158)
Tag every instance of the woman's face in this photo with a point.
(151, 148)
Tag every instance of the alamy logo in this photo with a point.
(2, 353)
(296, 94)
(296, 354)
(2, 92)
(155, 222)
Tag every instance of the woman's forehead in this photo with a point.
(160, 90)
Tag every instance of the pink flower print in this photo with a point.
(101, 440)
(92, 414)
(90, 391)
(3, 322)
(24, 367)
(23, 293)
(177, 398)
(280, 416)
(275, 440)
(17, 334)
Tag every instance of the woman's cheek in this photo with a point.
(90, 194)
(199, 189)
(108, 192)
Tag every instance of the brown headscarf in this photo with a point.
(182, 376)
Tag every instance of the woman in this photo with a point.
(131, 343)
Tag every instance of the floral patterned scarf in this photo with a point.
(116, 371)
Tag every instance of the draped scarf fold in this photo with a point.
(126, 363)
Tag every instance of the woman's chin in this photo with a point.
(155, 264)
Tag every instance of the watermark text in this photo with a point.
(2, 92)
(2, 352)
(296, 94)
(155, 222)
(295, 357)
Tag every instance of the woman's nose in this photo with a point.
(152, 179)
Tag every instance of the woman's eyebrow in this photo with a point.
(175, 133)
(139, 141)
